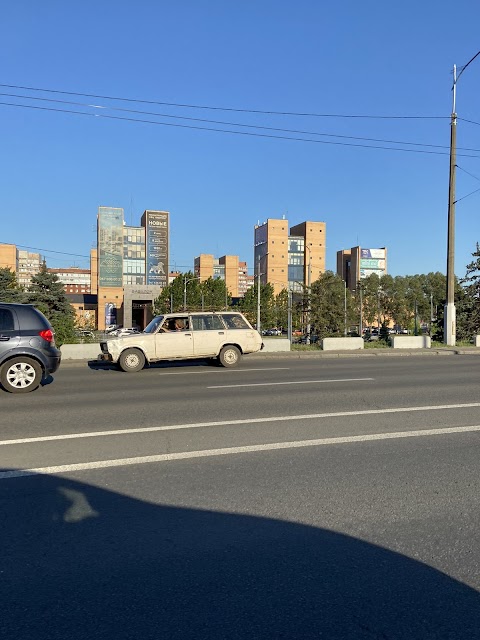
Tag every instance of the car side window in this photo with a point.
(234, 321)
(207, 322)
(6, 320)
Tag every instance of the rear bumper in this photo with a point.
(52, 364)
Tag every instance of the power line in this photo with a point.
(468, 195)
(467, 172)
(469, 121)
(229, 131)
(234, 124)
(215, 108)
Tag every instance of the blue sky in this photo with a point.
(350, 58)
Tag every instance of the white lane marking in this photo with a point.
(223, 423)
(201, 373)
(272, 384)
(206, 453)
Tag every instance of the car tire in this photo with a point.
(229, 356)
(21, 375)
(131, 360)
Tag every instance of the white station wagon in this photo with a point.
(224, 336)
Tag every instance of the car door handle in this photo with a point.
(188, 334)
(221, 333)
(4, 338)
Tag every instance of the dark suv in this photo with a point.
(27, 347)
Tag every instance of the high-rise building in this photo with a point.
(225, 268)
(289, 258)
(24, 264)
(129, 266)
(356, 263)
(245, 281)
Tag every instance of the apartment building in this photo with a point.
(289, 258)
(226, 268)
(74, 279)
(24, 264)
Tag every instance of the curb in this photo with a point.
(300, 355)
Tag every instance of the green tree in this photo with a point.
(47, 293)
(468, 306)
(328, 305)
(211, 295)
(267, 305)
(10, 291)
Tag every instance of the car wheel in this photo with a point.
(21, 375)
(131, 360)
(229, 356)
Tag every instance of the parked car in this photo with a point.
(27, 347)
(224, 336)
(305, 339)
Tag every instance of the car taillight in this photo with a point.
(46, 334)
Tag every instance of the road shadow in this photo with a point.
(79, 562)
(99, 365)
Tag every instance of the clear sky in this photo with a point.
(370, 58)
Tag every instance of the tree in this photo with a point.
(468, 308)
(10, 291)
(267, 305)
(209, 295)
(47, 293)
(328, 305)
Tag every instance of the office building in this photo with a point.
(356, 263)
(129, 267)
(289, 258)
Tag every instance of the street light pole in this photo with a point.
(185, 293)
(345, 310)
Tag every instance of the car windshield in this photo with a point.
(153, 325)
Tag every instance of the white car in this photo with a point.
(225, 336)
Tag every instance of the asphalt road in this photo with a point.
(287, 498)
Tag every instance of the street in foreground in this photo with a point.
(285, 499)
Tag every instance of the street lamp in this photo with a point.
(185, 282)
(449, 321)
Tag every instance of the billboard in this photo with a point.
(372, 261)
(373, 253)
(368, 263)
(110, 247)
(156, 240)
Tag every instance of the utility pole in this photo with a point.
(309, 280)
(185, 293)
(258, 296)
(449, 322)
(289, 316)
(345, 310)
(361, 309)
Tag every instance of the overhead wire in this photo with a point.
(229, 131)
(216, 108)
(234, 124)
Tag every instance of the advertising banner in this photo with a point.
(373, 253)
(156, 237)
(110, 247)
(372, 264)
(110, 314)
